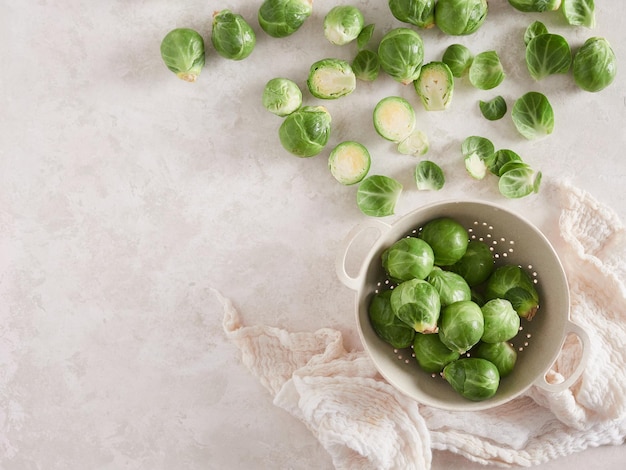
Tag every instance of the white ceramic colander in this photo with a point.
(513, 240)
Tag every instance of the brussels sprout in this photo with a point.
(377, 195)
(502, 355)
(435, 86)
(501, 321)
(519, 181)
(460, 17)
(447, 238)
(486, 71)
(417, 304)
(493, 109)
(305, 132)
(594, 65)
(182, 51)
(450, 286)
(331, 79)
(533, 115)
(514, 284)
(476, 265)
(476, 151)
(415, 144)
(536, 6)
(499, 159)
(364, 36)
(461, 325)
(459, 58)
(548, 54)
(394, 118)
(408, 258)
(282, 96)
(386, 324)
(282, 18)
(342, 24)
(231, 36)
(401, 54)
(579, 12)
(429, 176)
(534, 29)
(431, 354)
(473, 378)
(366, 65)
(349, 162)
(420, 13)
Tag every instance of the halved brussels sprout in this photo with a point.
(349, 162)
(366, 65)
(460, 17)
(282, 18)
(475, 166)
(386, 324)
(377, 195)
(435, 86)
(461, 325)
(343, 24)
(231, 36)
(493, 109)
(450, 286)
(420, 13)
(514, 284)
(401, 54)
(534, 29)
(579, 12)
(394, 118)
(408, 258)
(486, 71)
(417, 304)
(594, 65)
(330, 79)
(429, 176)
(459, 58)
(536, 6)
(182, 51)
(431, 354)
(282, 96)
(533, 115)
(447, 238)
(501, 321)
(502, 355)
(473, 378)
(415, 144)
(476, 265)
(305, 132)
(548, 54)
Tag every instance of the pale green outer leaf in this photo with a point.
(579, 12)
(429, 176)
(377, 195)
(533, 115)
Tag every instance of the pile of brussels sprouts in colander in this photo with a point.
(450, 302)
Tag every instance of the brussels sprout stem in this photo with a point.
(188, 76)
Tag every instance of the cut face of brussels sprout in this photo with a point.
(394, 118)
(282, 96)
(429, 176)
(579, 12)
(349, 162)
(536, 6)
(450, 286)
(431, 354)
(473, 378)
(420, 13)
(502, 355)
(377, 195)
(534, 29)
(478, 145)
(533, 115)
(447, 238)
(486, 71)
(366, 65)
(305, 132)
(460, 17)
(401, 54)
(477, 263)
(458, 58)
(548, 54)
(342, 24)
(493, 109)
(461, 325)
(475, 166)
(514, 284)
(232, 36)
(415, 144)
(408, 258)
(501, 321)
(594, 65)
(386, 324)
(519, 182)
(416, 303)
(435, 86)
(331, 79)
(282, 18)
(182, 51)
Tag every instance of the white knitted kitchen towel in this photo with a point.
(365, 424)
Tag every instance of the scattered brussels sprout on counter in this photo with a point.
(579, 12)
(435, 86)
(343, 24)
(231, 36)
(182, 51)
(460, 17)
(493, 109)
(486, 71)
(416, 303)
(473, 378)
(420, 13)
(415, 144)
(533, 115)
(514, 284)
(408, 258)
(394, 118)
(476, 265)
(366, 65)
(594, 65)
(431, 354)
(377, 195)
(386, 324)
(401, 54)
(282, 18)
(331, 79)
(305, 132)
(548, 54)
(447, 238)
(458, 58)
(502, 355)
(282, 96)
(429, 176)
(349, 162)
(533, 30)
(535, 6)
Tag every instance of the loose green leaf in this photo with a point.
(533, 115)
(364, 36)
(486, 71)
(534, 29)
(548, 54)
(429, 176)
(518, 182)
(493, 109)
(481, 146)
(366, 65)
(500, 158)
(579, 12)
(377, 195)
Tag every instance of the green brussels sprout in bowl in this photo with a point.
(507, 359)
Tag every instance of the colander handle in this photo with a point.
(569, 381)
(353, 235)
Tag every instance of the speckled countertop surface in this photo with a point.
(127, 194)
